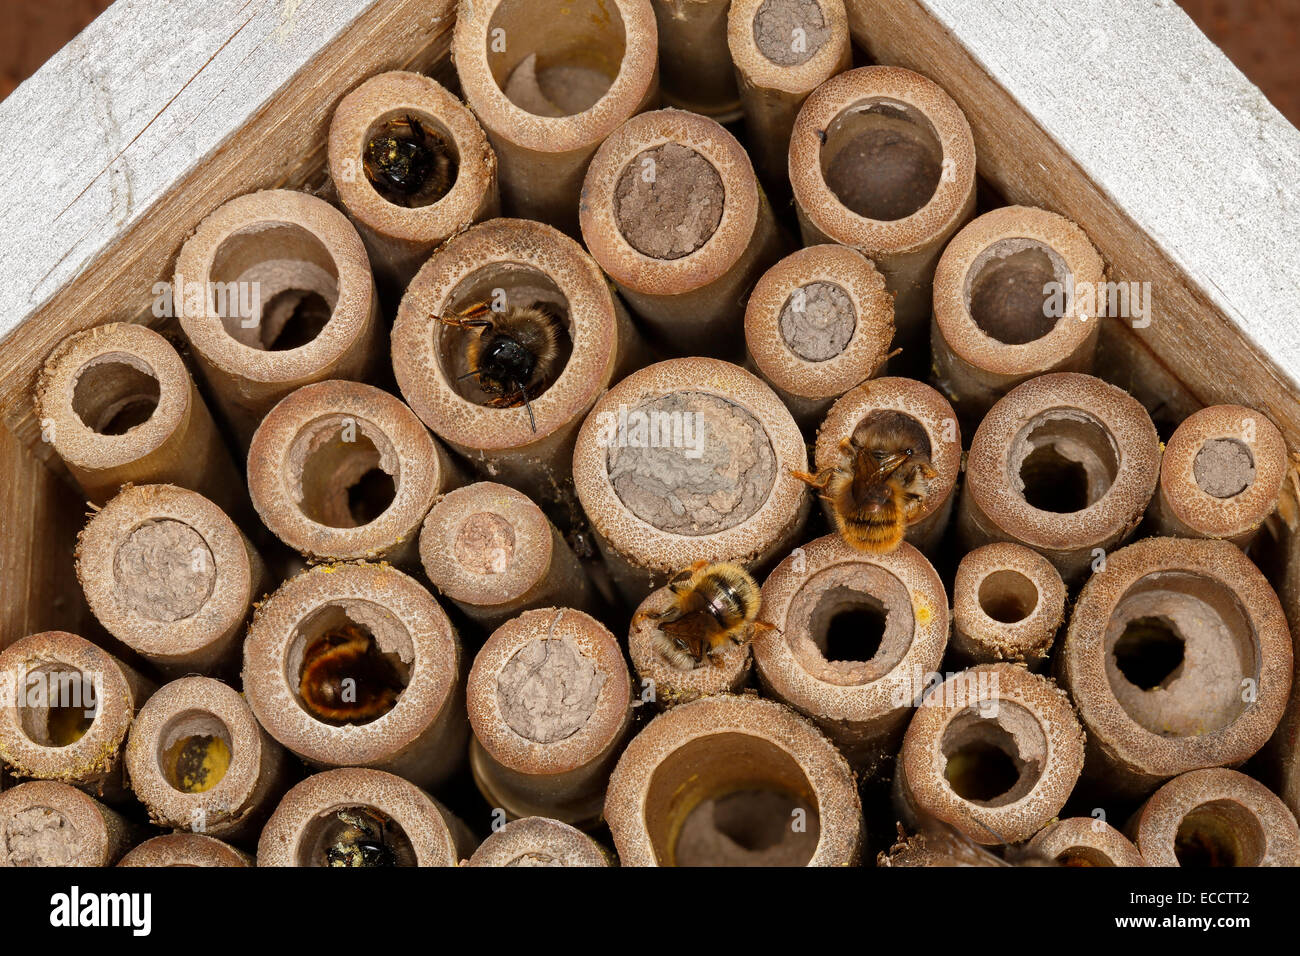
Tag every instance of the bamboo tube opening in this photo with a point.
(790, 32)
(345, 484)
(1224, 467)
(1065, 461)
(1085, 842)
(668, 201)
(114, 393)
(52, 824)
(1219, 833)
(60, 704)
(422, 157)
(539, 841)
(1005, 290)
(345, 836)
(993, 762)
(194, 750)
(882, 158)
(1008, 596)
(849, 625)
(185, 849)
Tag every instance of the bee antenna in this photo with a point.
(528, 405)
(469, 374)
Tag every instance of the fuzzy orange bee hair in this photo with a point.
(712, 604)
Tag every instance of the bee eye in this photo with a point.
(909, 453)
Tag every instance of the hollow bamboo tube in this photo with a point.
(701, 773)
(993, 751)
(171, 576)
(1012, 294)
(493, 553)
(548, 89)
(422, 736)
(539, 841)
(1064, 464)
(782, 51)
(689, 460)
(673, 213)
(1221, 475)
(517, 264)
(1008, 602)
(549, 700)
(119, 406)
(43, 823)
(274, 291)
(883, 160)
(398, 236)
(1178, 657)
(65, 711)
(198, 760)
(818, 323)
(418, 830)
(1085, 841)
(694, 63)
(185, 849)
(1216, 817)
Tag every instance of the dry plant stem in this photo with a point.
(1221, 475)
(1216, 817)
(914, 143)
(172, 577)
(344, 471)
(540, 841)
(291, 249)
(119, 406)
(172, 770)
(1008, 604)
(1178, 657)
(996, 323)
(1064, 464)
(1085, 841)
(543, 146)
(716, 488)
(772, 89)
(185, 849)
(649, 216)
(52, 682)
(819, 657)
(694, 63)
(43, 823)
(994, 751)
(746, 751)
(298, 832)
(549, 700)
(818, 323)
(663, 683)
(422, 737)
(492, 552)
(400, 238)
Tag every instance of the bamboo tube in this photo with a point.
(883, 160)
(399, 229)
(818, 323)
(274, 292)
(704, 781)
(341, 470)
(198, 760)
(185, 849)
(1085, 841)
(694, 63)
(548, 89)
(689, 460)
(1178, 658)
(1064, 464)
(1216, 817)
(52, 824)
(539, 841)
(1008, 602)
(993, 751)
(549, 700)
(315, 823)
(119, 407)
(172, 577)
(672, 212)
(493, 553)
(782, 51)
(392, 640)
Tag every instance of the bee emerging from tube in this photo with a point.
(345, 679)
(712, 604)
(409, 164)
(362, 841)
(879, 484)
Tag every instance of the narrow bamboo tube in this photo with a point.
(65, 711)
(493, 553)
(883, 160)
(1012, 294)
(694, 63)
(399, 237)
(539, 841)
(1064, 464)
(782, 51)
(705, 780)
(1008, 602)
(1221, 475)
(1216, 817)
(52, 824)
(171, 576)
(549, 700)
(689, 460)
(1085, 841)
(818, 323)
(417, 831)
(993, 751)
(1178, 658)
(548, 89)
(673, 213)
(185, 849)
(118, 406)
(274, 291)
(422, 735)
(198, 760)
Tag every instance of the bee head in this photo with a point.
(505, 361)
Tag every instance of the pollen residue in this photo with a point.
(922, 610)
